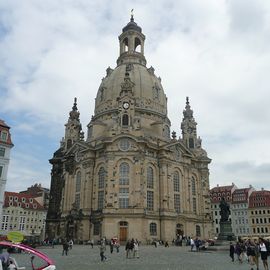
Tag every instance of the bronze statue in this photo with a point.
(224, 210)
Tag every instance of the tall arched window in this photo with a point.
(101, 178)
(153, 228)
(78, 189)
(124, 174)
(78, 182)
(150, 177)
(123, 183)
(176, 182)
(125, 120)
(193, 186)
(198, 230)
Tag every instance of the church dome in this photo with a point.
(145, 87)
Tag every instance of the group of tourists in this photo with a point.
(251, 251)
(132, 249)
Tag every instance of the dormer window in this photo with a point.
(27, 205)
(10, 204)
(19, 204)
(4, 136)
(31, 200)
(10, 198)
(15, 199)
(23, 199)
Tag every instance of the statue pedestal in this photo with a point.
(226, 231)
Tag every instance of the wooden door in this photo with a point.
(123, 234)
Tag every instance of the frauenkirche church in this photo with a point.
(130, 177)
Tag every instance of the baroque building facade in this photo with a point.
(129, 177)
(5, 149)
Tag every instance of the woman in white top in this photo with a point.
(263, 251)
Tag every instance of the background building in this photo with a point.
(130, 177)
(5, 147)
(216, 194)
(41, 194)
(21, 212)
(239, 211)
(259, 213)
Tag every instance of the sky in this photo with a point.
(216, 52)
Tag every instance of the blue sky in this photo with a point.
(215, 52)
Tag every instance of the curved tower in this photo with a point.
(129, 177)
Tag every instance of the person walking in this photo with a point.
(70, 244)
(251, 254)
(192, 244)
(263, 251)
(102, 249)
(136, 249)
(232, 250)
(65, 248)
(257, 253)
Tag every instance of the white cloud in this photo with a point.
(215, 52)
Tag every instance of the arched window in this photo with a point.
(78, 182)
(191, 143)
(138, 47)
(176, 182)
(101, 178)
(150, 177)
(125, 120)
(153, 228)
(193, 186)
(125, 44)
(124, 174)
(124, 182)
(198, 230)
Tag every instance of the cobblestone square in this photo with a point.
(83, 257)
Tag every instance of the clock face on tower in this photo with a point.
(125, 105)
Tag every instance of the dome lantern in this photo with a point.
(131, 43)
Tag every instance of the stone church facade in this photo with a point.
(130, 177)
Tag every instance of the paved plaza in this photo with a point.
(83, 257)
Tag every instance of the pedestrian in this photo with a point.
(251, 254)
(166, 244)
(238, 252)
(232, 251)
(263, 251)
(117, 246)
(192, 244)
(102, 249)
(92, 243)
(4, 258)
(70, 244)
(257, 253)
(111, 245)
(65, 248)
(136, 250)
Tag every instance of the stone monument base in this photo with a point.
(226, 231)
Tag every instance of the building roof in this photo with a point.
(259, 199)
(25, 201)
